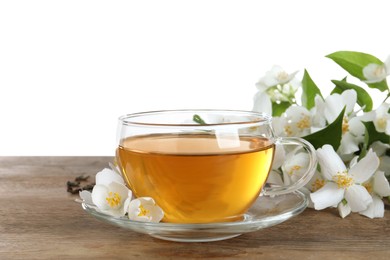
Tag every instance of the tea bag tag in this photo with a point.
(227, 138)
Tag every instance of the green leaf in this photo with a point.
(354, 62)
(197, 119)
(372, 135)
(310, 90)
(363, 98)
(337, 89)
(382, 86)
(329, 135)
(279, 108)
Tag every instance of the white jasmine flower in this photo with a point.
(344, 183)
(145, 209)
(380, 117)
(112, 199)
(288, 168)
(103, 178)
(376, 72)
(295, 166)
(110, 195)
(378, 187)
(276, 76)
(296, 121)
(276, 86)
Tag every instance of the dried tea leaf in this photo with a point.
(82, 178)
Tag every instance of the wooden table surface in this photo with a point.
(40, 220)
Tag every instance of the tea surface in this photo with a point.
(194, 180)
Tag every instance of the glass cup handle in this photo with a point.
(278, 190)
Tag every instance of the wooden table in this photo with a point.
(40, 220)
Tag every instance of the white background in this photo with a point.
(68, 69)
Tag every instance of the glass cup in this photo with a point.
(202, 166)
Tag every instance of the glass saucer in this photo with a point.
(266, 212)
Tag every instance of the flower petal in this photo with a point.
(381, 184)
(111, 199)
(387, 65)
(297, 120)
(279, 157)
(318, 118)
(385, 164)
(277, 125)
(262, 103)
(329, 161)
(134, 209)
(316, 182)
(333, 106)
(86, 196)
(382, 110)
(356, 127)
(365, 168)
(379, 147)
(328, 196)
(273, 76)
(353, 161)
(369, 116)
(106, 176)
(275, 178)
(286, 178)
(156, 213)
(99, 195)
(261, 86)
(348, 144)
(144, 209)
(375, 210)
(382, 118)
(387, 130)
(125, 208)
(357, 197)
(344, 209)
(349, 98)
(146, 201)
(369, 71)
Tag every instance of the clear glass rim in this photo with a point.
(258, 118)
